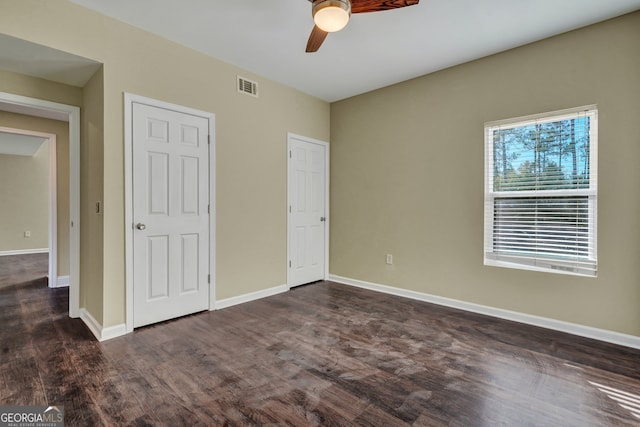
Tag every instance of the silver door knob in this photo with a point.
(140, 226)
(322, 219)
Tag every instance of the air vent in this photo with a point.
(247, 86)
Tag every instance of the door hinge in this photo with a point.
(289, 208)
(290, 155)
(209, 139)
(208, 209)
(208, 278)
(289, 264)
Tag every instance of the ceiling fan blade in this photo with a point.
(315, 39)
(361, 6)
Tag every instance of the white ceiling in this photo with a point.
(268, 37)
(21, 56)
(20, 144)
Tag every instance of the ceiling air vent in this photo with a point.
(247, 86)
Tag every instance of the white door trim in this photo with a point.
(325, 144)
(53, 213)
(129, 100)
(71, 114)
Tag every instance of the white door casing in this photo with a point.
(170, 179)
(307, 210)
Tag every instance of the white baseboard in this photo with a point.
(91, 322)
(113, 332)
(62, 282)
(558, 325)
(25, 251)
(101, 334)
(241, 299)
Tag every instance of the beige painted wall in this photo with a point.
(24, 196)
(250, 140)
(37, 204)
(407, 176)
(91, 192)
(20, 84)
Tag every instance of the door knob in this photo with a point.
(322, 219)
(140, 226)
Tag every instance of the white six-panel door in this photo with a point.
(170, 214)
(307, 210)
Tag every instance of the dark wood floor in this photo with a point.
(15, 269)
(324, 354)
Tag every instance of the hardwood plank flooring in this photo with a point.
(323, 354)
(16, 269)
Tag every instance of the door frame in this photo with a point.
(325, 144)
(129, 100)
(70, 114)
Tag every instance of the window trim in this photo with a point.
(586, 268)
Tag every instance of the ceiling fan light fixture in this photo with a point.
(331, 15)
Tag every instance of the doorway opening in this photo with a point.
(70, 114)
(23, 155)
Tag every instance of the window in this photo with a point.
(541, 192)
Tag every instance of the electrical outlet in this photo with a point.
(27, 233)
(389, 259)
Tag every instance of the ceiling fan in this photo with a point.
(332, 15)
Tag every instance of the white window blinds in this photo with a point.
(540, 192)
